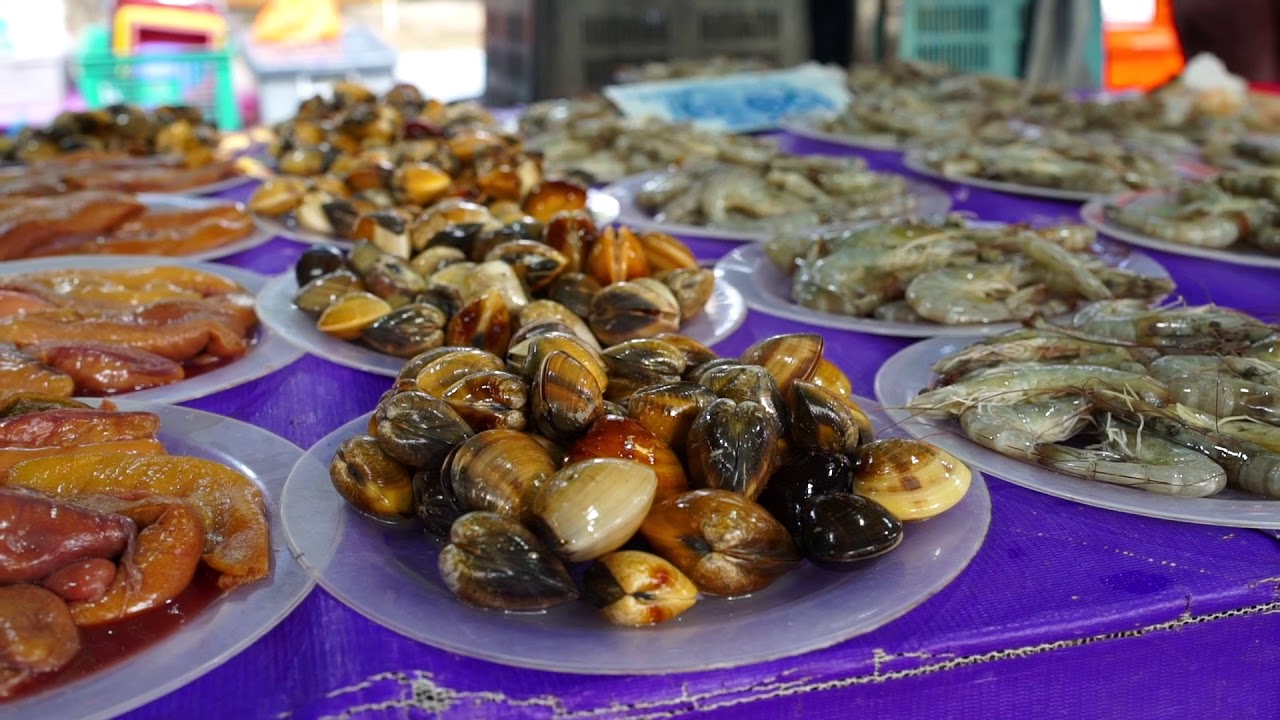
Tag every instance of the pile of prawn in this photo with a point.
(777, 193)
(1236, 209)
(1176, 400)
(952, 272)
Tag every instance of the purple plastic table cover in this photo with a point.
(1067, 611)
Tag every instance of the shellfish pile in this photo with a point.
(475, 281)
(668, 471)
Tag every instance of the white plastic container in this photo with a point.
(33, 61)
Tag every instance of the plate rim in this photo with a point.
(1092, 214)
(624, 191)
(298, 584)
(978, 495)
(735, 267)
(1094, 494)
(913, 160)
(270, 353)
(273, 300)
(806, 127)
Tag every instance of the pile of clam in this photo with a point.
(471, 280)
(651, 470)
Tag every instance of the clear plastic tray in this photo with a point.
(906, 373)
(604, 209)
(1093, 214)
(389, 575)
(223, 629)
(932, 200)
(766, 289)
(721, 317)
(269, 352)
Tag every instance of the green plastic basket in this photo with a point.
(981, 36)
(201, 79)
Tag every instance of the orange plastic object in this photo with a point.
(1142, 55)
(297, 22)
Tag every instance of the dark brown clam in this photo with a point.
(369, 174)
(394, 280)
(802, 477)
(692, 288)
(452, 212)
(493, 562)
(695, 373)
(787, 357)
(572, 234)
(733, 446)
(614, 436)
(499, 471)
(370, 480)
(724, 542)
(543, 311)
(316, 296)
(439, 369)
(748, 383)
(342, 214)
(433, 502)
(317, 261)
(827, 375)
(491, 399)
(695, 353)
(840, 529)
(417, 429)
(822, 420)
(526, 357)
(668, 410)
(633, 309)
(484, 322)
(536, 265)
(648, 359)
(575, 291)
(615, 256)
(566, 397)
(407, 331)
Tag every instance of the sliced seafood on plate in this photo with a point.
(493, 285)
(758, 478)
(784, 193)
(157, 329)
(150, 550)
(106, 222)
(1168, 412)
(949, 276)
(1233, 217)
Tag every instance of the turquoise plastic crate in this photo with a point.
(201, 79)
(981, 36)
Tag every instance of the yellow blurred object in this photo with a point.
(297, 22)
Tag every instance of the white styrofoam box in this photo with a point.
(35, 89)
(33, 30)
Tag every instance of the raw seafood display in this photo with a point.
(672, 471)
(1235, 209)
(108, 222)
(782, 192)
(953, 272)
(93, 170)
(180, 132)
(105, 527)
(1088, 164)
(473, 280)
(605, 147)
(1174, 400)
(102, 332)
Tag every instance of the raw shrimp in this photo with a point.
(1037, 345)
(1216, 223)
(1147, 462)
(1249, 466)
(1225, 396)
(1204, 328)
(965, 295)
(1009, 385)
(1017, 430)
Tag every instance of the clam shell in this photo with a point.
(493, 562)
(593, 507)
(441, 368)
(318, 294)
(499, 471)
(370, 480)
(635, 588)
(626, 310)
(484, 322)
(491, 399)
(572, 234)
(801, 477)
(841, 529)
(350, 314)
(407, 331)
(614, 436)
(669, 410)
(733, 446)
(724, 542)
(822, 420)
(566, 397)
(911, 478)
(665, 253)
(788, 358)
(526, 357)
(615, 256)
(417, 429)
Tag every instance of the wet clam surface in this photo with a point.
(583, 477)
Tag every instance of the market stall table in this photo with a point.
(1067, 611)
